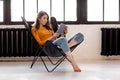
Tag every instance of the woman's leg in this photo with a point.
(73, 62)
(72, 43)
(62, 42)
(77, 39)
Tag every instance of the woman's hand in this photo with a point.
(55, 35)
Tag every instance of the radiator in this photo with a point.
(15, 43)
(110, 41)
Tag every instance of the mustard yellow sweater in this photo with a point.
(41, 34)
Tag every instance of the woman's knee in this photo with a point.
(80, 35)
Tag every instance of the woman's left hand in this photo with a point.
(66, 31)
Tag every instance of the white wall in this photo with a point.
(90, 48)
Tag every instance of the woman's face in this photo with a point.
(43, 20)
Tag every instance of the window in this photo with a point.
(30, 9)
(16, 10)
(111, 10)
(70, 10)
(46, 4)
(66, 11)
(60, 9)
(95, 12)
(103, 10)
(1, 10)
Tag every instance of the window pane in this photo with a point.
(30, 10)
(1, 11)
(57, 9)
(95, 10)
(111, 10)
(44, 5)
(70, 11)
(16, 10)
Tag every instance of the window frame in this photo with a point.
(81, 15)
(84, 20)
(7, 16)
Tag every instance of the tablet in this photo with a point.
(61, 29)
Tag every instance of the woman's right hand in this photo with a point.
(55, 35)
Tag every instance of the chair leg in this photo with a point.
(58, 63)
(52, 61)
(35, 58)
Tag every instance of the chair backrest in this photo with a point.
(35, 43)
(26, 25)
(54, 23)
(28, 28)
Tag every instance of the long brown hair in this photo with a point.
(37, 24)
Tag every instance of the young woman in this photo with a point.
(42, 32)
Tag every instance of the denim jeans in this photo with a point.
(79, 37)
(63, 43)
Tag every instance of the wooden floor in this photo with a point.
(91, 70)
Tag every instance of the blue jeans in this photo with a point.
(79, 37)
(63, 43)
